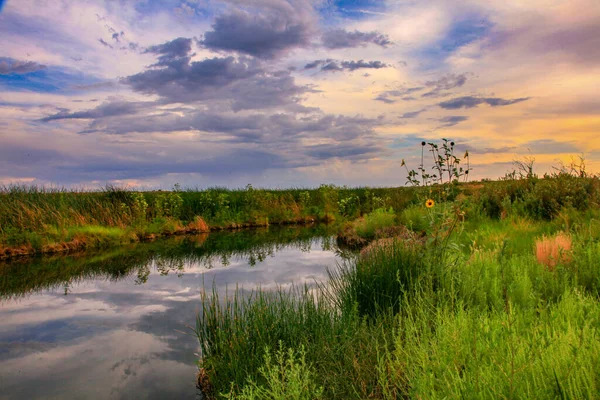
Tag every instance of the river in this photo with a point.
(116, 324)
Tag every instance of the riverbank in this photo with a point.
(36, 220)
(96, 237)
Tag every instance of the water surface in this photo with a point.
(114, 324)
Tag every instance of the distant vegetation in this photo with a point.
(489, 290)
(35, 219)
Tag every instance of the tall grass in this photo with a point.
(234, 332)
(491, 322)
(375, 283)
(542, 352)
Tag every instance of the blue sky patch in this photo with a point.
(462, 32)
(49, 80)
(359, 9)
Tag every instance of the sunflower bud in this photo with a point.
(403, 163)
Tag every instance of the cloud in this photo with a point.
(392, 96)
(341, 38)
(581, 43)
(413, 114)
(451, 120)
(243, 82)
(105, 44)
(472, 101)
(334, 65)
(12, 66)
(551, 146)
(266, 36)
(343, 150)
(219, 145)
(109, 109)
(170, 51)
(445, 83)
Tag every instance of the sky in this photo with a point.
(291, 93)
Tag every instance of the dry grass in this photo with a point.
(551, 251)
(390, 237)
(198, 225)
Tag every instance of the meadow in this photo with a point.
(487, 295)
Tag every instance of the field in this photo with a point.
(489, 295)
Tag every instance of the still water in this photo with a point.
(116, 324)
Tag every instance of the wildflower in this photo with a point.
(429, 203)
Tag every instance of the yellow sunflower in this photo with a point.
(429, 203)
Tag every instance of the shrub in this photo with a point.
(288, 376)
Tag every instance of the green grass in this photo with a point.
(542, 352)
(234, 331)
(485, 320)
(368, 226)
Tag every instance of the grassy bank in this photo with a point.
(42, 220)
(490, 303)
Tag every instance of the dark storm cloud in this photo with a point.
(472, 101)
(109, 109)
(341, 38)
(440, 87)
(451, 120)
(12, 66)
(260, 35)
(334, 65)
